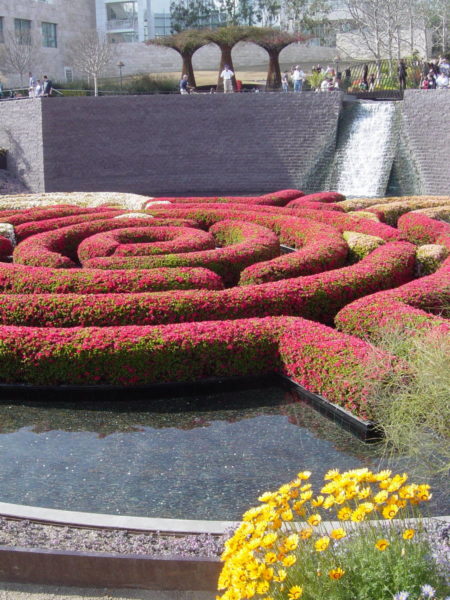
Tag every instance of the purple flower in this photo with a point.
(427, 591)
(401, 596)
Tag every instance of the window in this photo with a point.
(2, 39)
(68, 74)
(122, 38)
(22, 28)
(49, 35)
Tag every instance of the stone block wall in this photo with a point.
(21, 135)
(425, 132)
(171, 144)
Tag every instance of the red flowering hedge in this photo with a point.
(6, 248)
(243, 244)
(52, 212)
(58, 248)
(317, 297)
(275, 199)
(319, 197)
(420, 229)
(22, 279)
(144, 355)
(207, 215)
(410, 306)
(142, 241)
(88, 325)
(33, 227)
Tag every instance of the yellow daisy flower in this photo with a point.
(289, 560)
(305, 533)
(338, 534)
(295, 592)
(322, 544)
(314, 520)
(408, 534)
(381, 545)
(336, 573)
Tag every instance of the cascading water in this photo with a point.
(365, 151)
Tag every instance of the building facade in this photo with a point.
(40, 33)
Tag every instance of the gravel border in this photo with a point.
(28, 534)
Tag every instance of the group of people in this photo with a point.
(436, 75)
(227, 76)
(39, 87)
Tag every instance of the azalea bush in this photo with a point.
(352, 538)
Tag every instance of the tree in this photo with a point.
(186, 43)
(267, 12)
(274, 41)
(304, 15)
(19, 52)
(195, 14)
(92, 53)
(226, 38)
(436, 17)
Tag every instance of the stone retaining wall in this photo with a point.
(171, 144)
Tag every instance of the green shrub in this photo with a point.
(411, 405)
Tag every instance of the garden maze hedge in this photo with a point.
(184, 289)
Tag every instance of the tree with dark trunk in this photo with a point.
(186, 43)
(226, 38)
(274, 41)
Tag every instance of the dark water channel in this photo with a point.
(195, 457)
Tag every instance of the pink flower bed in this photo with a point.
(319, 197)
(144, 355)
(206, 215)
(58, 249)
(144, 241)
(275, 199)
(104, 323)
(244, 243)
(410, 306)
(22, 279)
(33, 227)
(420, 229)
(316, 297)
(6, 248)
(53, 212)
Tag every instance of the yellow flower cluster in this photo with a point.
(268, 541)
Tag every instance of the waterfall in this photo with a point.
(365, 151)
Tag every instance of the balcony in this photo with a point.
(121, 24)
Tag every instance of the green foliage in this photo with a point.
(315, 79)
(411, 406)
(143, 84)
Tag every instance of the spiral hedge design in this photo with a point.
(183, 289)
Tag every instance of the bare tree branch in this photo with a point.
(92, 53)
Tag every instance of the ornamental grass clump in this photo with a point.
(349, 541)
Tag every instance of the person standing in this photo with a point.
(401, 70)
(184, 87)
(227, 76)
(47, 86)
(31, 85)
(298, 77)
(285, 82)
(38, 89)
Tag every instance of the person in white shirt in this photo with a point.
(442, 81)
(298, 76)
(227, 76)
(31, 85)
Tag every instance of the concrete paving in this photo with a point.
(17, 591)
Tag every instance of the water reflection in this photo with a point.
(205, 457)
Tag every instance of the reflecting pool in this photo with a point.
(194, 457)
